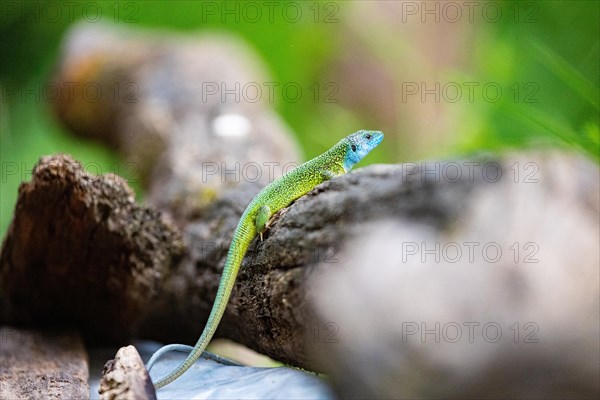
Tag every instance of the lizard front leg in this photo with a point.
(261, 221)
(327, 175)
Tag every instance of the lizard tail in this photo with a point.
(240, 243)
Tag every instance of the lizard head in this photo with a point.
(359, 144)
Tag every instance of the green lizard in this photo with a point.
(255, 220)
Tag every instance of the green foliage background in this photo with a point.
(558, 49)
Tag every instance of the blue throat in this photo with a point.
(351, 159)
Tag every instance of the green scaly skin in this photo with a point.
(278, 194)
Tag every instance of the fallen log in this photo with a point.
(157, 298)
(500, 303)
(267, 310)
(36, 364)
(80, 252)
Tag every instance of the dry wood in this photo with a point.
(500, 303)
(36, 364)
(126, 378)
(80, 252)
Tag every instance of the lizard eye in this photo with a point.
(368, 136)
(353, 147)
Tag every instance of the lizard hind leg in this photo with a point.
(261, 221)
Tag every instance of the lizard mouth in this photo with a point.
(377, 137)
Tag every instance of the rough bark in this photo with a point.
(126, 378)
(267, 308)
(266, 311)
(37, 364)
(501, 303)
(81, 252)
